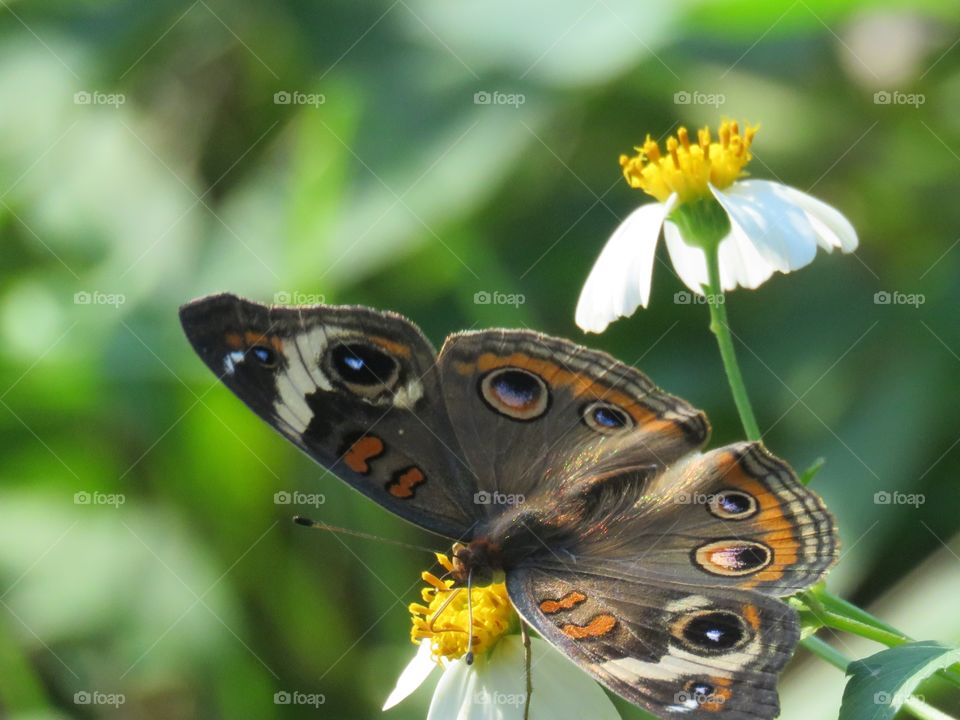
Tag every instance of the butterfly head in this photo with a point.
(480, 562)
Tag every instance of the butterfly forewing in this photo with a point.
(356, 389)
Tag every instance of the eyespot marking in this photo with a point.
(710, 632)
(606, 418)
(405, 482)
(365, 370)
(361, 451)
(598, 626)
(733, 557)
(516, 393)
(732, 504)
(700, 694)
(567, 602)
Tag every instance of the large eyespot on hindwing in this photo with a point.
(515, 393)
(363, 369)
(606, 418)
(732, 557)
(710, 632)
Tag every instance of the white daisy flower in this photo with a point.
(493, 687)
(755, 227)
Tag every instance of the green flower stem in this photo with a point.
(826, 652)
(920, 709)
(721, 329)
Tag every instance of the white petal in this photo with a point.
(413, 675)
(689, 262)
(771, 221)
(740, 262)
(620, 279)
(453, 698)
(832, 228)
(495, 687)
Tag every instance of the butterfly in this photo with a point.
(653, 564)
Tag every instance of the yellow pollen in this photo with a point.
(687, 168)
(493, 615)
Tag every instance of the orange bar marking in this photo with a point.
(361, 452)
(404, 485)
(567, 602)
(598, 627)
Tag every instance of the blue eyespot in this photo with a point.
(732, 505)
(361, 365)
(264, 355)
(606, 418)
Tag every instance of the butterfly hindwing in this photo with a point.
(356, 389)
(733, 517)
(707, 653)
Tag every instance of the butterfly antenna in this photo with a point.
(307, 522)
(468, 658)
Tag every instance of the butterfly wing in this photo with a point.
(532, 411)
(356, 389)
(733, 517)
(709, 653)
(659, 584)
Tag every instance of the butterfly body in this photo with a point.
(653, 564)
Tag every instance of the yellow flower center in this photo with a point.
(686, 168)
(444, 618)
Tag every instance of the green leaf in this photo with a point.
(881, 683)
(807, 475)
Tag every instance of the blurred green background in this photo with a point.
(147, 158)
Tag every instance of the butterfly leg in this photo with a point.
(525, 637)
